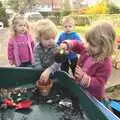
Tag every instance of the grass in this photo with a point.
(117, 29)
(81, 29)
(114, 92)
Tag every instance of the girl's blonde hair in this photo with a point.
(102, 35)
(68, 19)
(45, 27)
(14, 21)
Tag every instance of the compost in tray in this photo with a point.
(60, 104)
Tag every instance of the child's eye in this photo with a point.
(67, 26)
(91, 44)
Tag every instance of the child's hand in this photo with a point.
(60, 55)
(63, 46)
(45, 76)
(81, 77)
(78, 73)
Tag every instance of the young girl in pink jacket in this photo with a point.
(21, 44)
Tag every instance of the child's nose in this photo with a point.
(51, 40)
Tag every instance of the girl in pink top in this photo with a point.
(20, 45)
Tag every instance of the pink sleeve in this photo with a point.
(101, 76)
(10, 51)
(78, 47)
(98, 79)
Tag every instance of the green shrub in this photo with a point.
(3, 15)
(82, 20)
(113, 9)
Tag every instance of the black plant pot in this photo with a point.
(60, 56)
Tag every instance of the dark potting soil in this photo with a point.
(59, 105)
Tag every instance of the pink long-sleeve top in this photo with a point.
(20, 49)
(98, 72)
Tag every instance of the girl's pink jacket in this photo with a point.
(13, 49)
(98, 71)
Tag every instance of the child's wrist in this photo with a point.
(85, 81)
(82, 75)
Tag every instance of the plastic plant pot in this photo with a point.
(60, 55)
(45, 88)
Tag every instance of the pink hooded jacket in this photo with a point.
(14, 51)
(97, 72)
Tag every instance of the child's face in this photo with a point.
(21, 27)
(68, 27)
(48, 43)
(94, 49)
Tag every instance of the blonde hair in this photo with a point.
(45, 27)
(103, 35)
(14, 21)
(68, 19)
